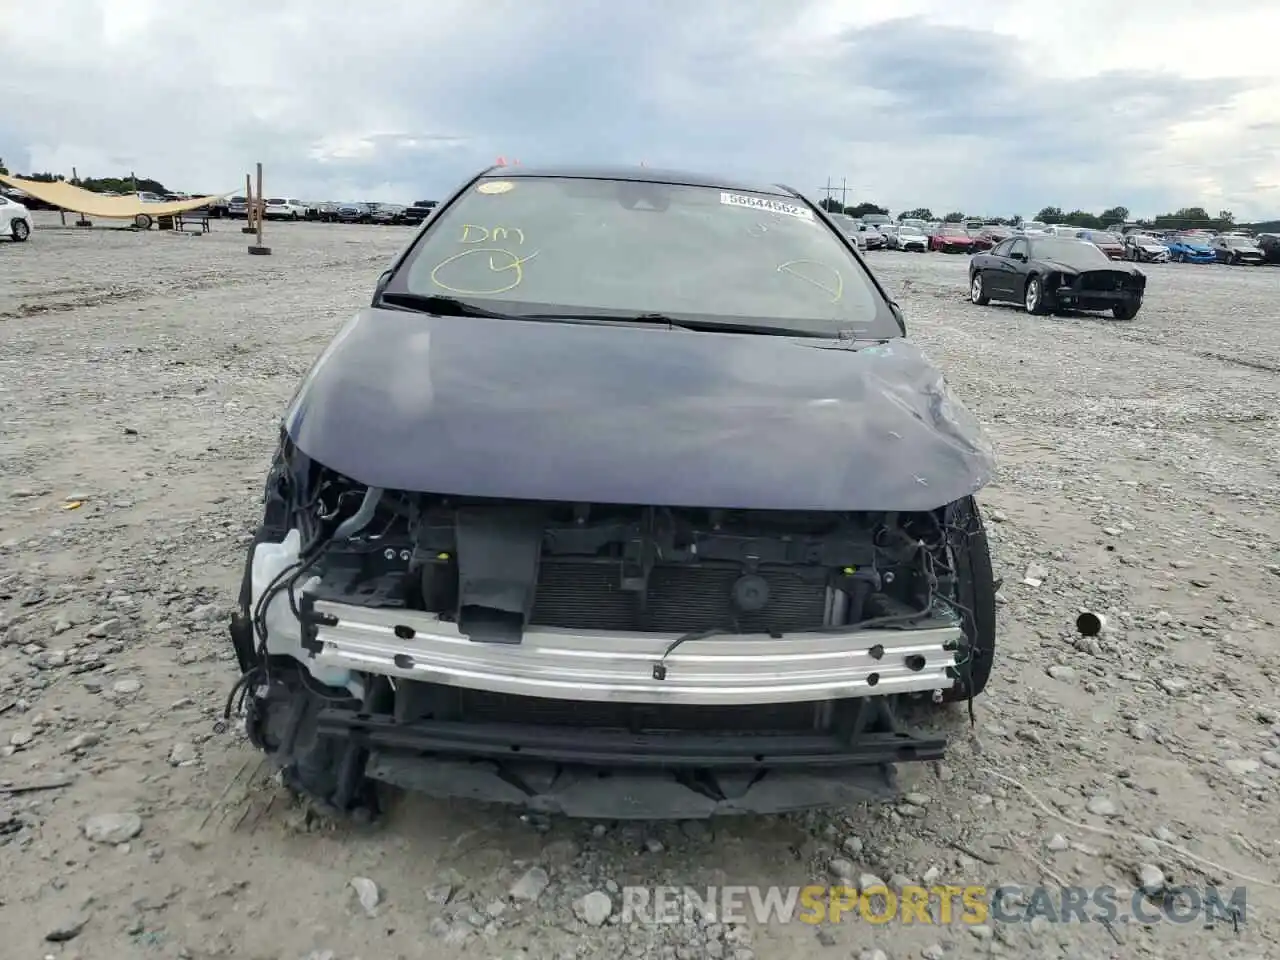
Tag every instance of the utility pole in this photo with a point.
(844, 191)
(259, 249)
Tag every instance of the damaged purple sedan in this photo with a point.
(626, 497)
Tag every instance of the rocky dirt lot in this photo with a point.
(140, 381)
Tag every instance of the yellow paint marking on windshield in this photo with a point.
(497, 265)
(471, 233)
(835, 293)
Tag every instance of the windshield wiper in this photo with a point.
(453, 307)
(683, 323)
(442, 306)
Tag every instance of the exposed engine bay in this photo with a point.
(594, 659)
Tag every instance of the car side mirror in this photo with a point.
(898, 315)
(381, 285)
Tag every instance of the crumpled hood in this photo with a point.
(618, 414)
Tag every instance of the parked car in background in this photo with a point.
(354, 213)
(951, 238)
(324, 211)
(993, 233)
(386, 213)
(418, 211)
(15, 220)
(1269, 244)
(1109, 243)
(278, 208)
(909, 238)
(1144, 248)
(1236, 249)
(237, 207)
(1191, 248)
(979, 236)
(876, 219)
(1032, 227)
(849, 227)
(1046, 273)
(871, 235)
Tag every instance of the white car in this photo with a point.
(278, 208)
(1144, 248)
(15, 220)
(909, 238)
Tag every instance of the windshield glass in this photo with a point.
(910, 231)
(1072, 253)
(614, 248)
(1146, 240)
(1240, 242)
(953, 230)
(275, 200)
(1104, 238)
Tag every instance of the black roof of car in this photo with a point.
(640, 175)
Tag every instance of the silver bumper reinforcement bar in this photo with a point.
(618, 667)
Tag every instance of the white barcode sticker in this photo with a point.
(764, 203)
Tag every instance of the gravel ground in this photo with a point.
(140, 381)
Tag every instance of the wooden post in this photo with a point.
(248, 205)
(62, 214)
(260, 208)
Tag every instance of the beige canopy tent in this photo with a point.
(73, 198)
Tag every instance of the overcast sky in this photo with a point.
(984, 106)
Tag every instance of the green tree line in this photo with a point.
(1183, 218)
(126, 184)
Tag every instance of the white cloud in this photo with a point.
(985, 105)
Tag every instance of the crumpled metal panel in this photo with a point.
(617, 414)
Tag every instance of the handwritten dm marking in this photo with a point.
(507, 267)
(476, 234)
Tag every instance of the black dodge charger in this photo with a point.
(626, 496)
(1045, 274)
